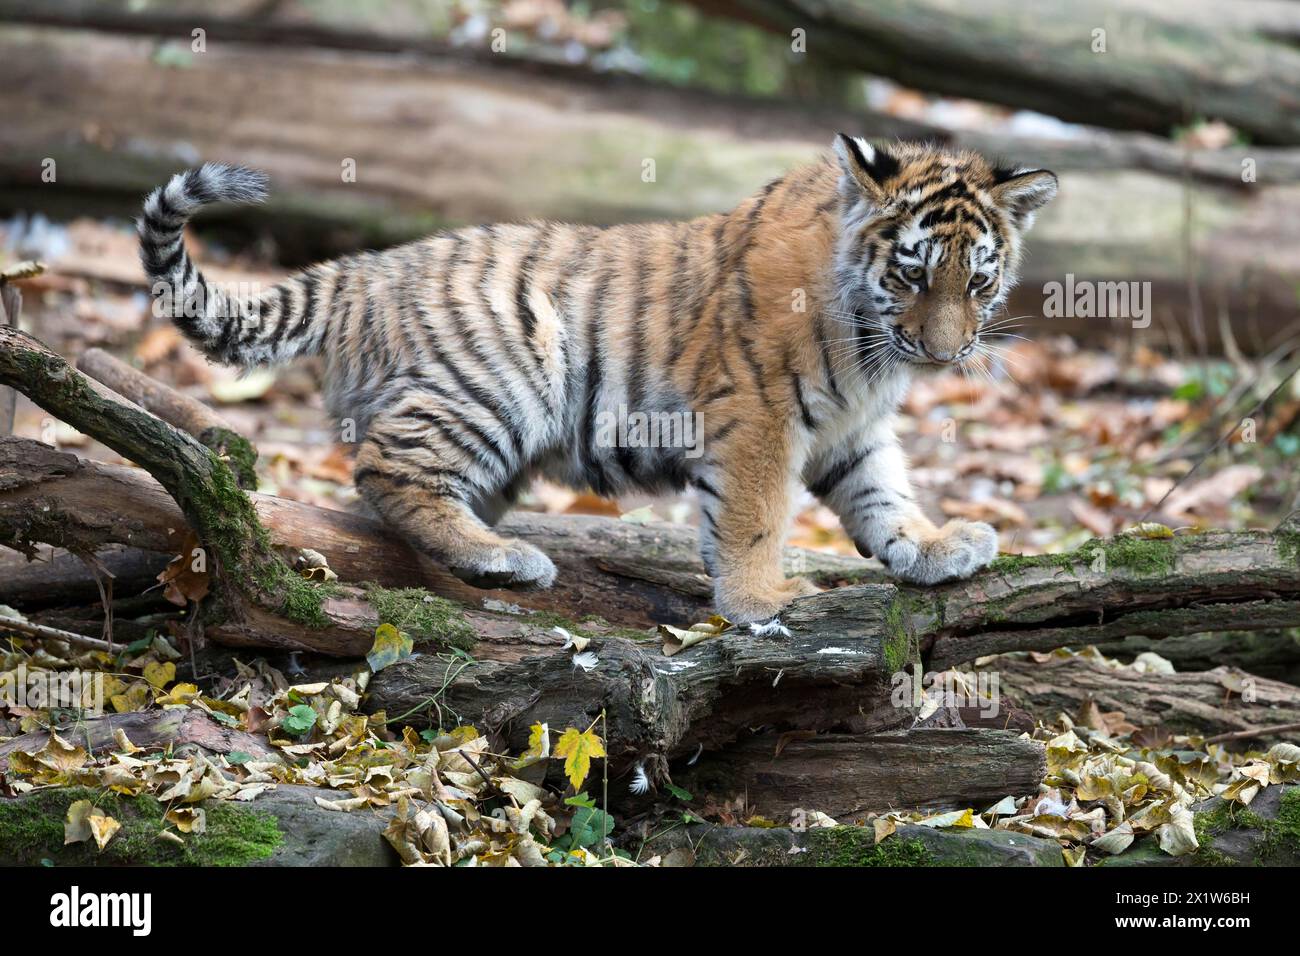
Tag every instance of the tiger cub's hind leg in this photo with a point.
(424, 477)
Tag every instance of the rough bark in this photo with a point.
(849, 775)
(1274, 654)
(57, 577)
(1163, 64)
(571, 145)
(1208, 703)
(847, 643)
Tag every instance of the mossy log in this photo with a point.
(252, 588)
(629, 574)
(846, 645)
(1265, 833)
(283, 827)
(848, 846)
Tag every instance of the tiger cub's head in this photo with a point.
(929, 245)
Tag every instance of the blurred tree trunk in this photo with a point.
(444, 137)
(1121, 64)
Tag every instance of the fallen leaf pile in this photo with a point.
(451, 799)
(1107, 786)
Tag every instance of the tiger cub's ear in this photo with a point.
(869, 166)
(1023, 191)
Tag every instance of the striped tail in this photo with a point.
(241, 330)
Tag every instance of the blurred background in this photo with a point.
(1174, 127)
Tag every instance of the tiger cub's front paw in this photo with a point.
(930, 555)
(757, 605)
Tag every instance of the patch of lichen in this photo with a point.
(31, 832)
(856, 846)
(427, 618)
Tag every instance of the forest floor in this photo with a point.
(1057, 444)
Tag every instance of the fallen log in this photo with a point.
(57, 577)
(177, 727)
(847, 643)
(572, 144)
(1125, 64)
(705, 844)
(627, 573)
(249, 580)
(1274, 654)
(849, 775)
(1205, 703)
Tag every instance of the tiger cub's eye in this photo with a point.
(979, 280)
(914, 272)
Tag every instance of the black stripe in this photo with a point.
(831, 478)
(804, 412)
(592, 471)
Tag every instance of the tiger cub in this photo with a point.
(788, 329)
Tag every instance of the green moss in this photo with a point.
(428, 619)
(236, 451)
(901, 647)
(1288, 545)
(1279, 837)
(1130, 552)
(296, 598)
(1140, 555)
(1282, 833)
(856, 846)
(31, 830)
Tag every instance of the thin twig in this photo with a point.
(1252, 732)
(54, 633)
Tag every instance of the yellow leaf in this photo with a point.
(188, 819)
(159, 675)
(578, 747)
(179, 694)
(391, 646)
(103, 827)
(76, 825)
(539, 746)
(61, 756)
